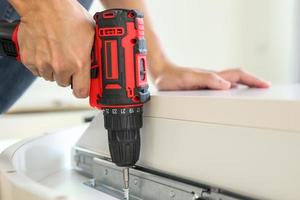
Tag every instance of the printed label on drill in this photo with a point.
(122, 111)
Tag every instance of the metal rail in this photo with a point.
(146, 184)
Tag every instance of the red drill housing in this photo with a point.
(119, 80)
(118, 73)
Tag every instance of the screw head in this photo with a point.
(106, 172)
(172, 194)
(196, 196)
(92, 182)
(135, 182)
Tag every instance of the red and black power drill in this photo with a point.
(119, 82)
(118, 79)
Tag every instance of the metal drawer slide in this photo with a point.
(145, 184)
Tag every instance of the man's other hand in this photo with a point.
(173, 77)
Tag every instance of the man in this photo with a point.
(56, 37)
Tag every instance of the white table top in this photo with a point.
(289, 92)
(274, 108)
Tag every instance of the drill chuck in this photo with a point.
(123, 127)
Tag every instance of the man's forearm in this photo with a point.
(25, 6)
(155, 53)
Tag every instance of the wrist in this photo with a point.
(158, 63)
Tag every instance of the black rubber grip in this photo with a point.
(7, 45)
(123, 127)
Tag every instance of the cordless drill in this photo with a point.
(119, 82)
(118, 79)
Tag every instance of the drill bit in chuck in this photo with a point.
(126, 183)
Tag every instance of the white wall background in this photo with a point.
(258, 35)
(261, 36)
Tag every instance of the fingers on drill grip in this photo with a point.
(81, 82)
